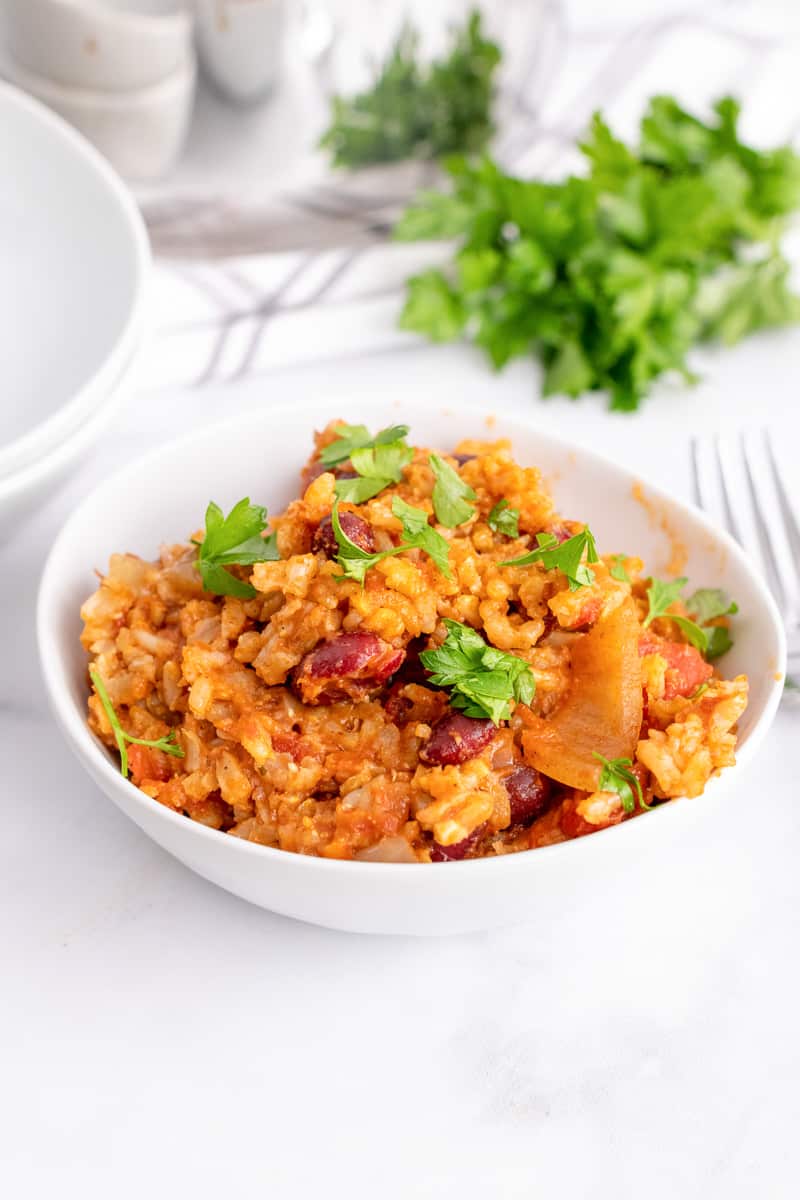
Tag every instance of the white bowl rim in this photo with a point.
(35, 447)
(85, 746)
(156, 23)
(71, 447)
(97, 99)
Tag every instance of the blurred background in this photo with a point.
(213, 112)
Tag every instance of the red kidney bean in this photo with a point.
(314, 468)
(456, 738)
(529, 793)
(357, 529)
(349, 666)
(458, 850)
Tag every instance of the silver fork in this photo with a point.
(737, 481)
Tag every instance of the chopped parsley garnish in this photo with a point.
(616, 776)
(358, 437)
(504, 519)
(418, 534)
(707, 604)
(415, 110)
(167, 743)
(617, 569)
(563, 556)
(234, 539)
(378, 461)
(482, 680)
(450, 494)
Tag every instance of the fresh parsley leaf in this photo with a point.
(167, 743)
(483, 680)
(433, 307)
(610, 278)
(617, 570)
(450, 494)
(418, 534)
(719, 641)
(707, 603)
(419, 111)
(564, 556)
(617, 776)
(354, 561)
(233, 539)
(504, 519)
(378, 466)
(358, 437)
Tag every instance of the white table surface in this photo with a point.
(159, 1036)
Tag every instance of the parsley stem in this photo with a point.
(167, 743)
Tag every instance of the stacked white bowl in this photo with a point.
(121, 71)
(75, 263)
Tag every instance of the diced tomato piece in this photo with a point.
(686, 671)
(588, 613)
(146, 763)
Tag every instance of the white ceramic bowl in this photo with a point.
(162, 498)
(108, 45)
(140, 132)
(75, 262)
(241, 45)
(29, 489)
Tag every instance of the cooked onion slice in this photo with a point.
(602, 711)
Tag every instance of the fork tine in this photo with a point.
(787, 510)
(775, 547)
(726, 487)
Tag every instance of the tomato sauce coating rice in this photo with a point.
(302, 716)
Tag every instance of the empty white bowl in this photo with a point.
(140, 132)
(161, 498)
(106, 45)
(75, 260)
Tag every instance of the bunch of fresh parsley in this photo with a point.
(611, 278)
(417, 111)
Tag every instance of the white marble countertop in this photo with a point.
(159, 1034)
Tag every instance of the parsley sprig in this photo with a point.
(418, 534)
(504, 519)
(358, 437)
(563, 556)
(450, 494)
(706, 604)
(167, 743)
(413, 110)
(378, 461)
(238, 539)
(617, 569)
(482, 680)
(617, 776)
